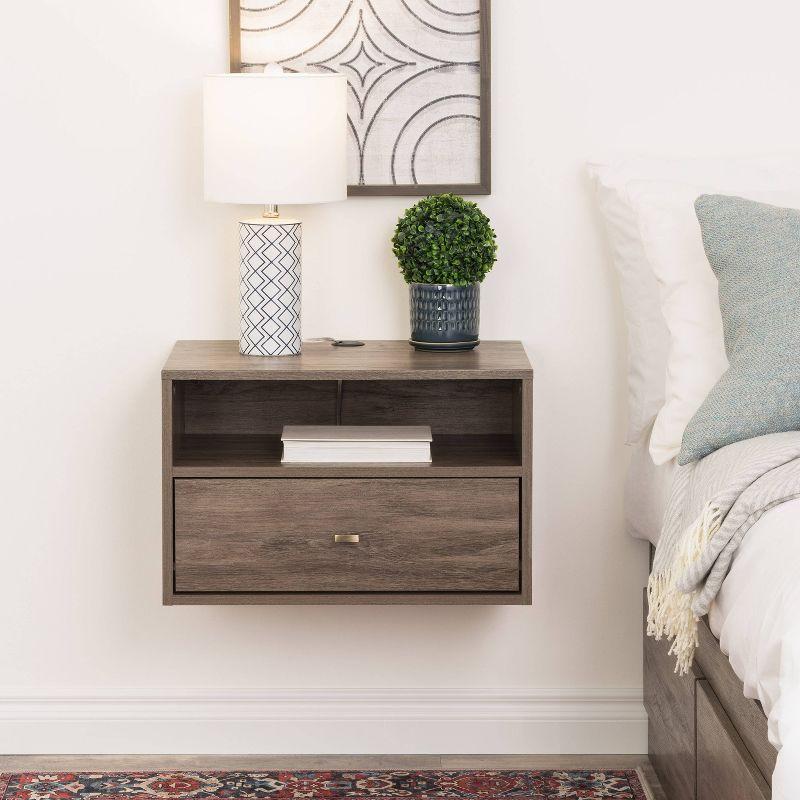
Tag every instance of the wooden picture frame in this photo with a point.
(483, 184)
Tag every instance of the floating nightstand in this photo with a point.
(240, 527)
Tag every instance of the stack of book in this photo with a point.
(356, 444)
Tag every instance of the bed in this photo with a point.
(706, 253)
(729, 729)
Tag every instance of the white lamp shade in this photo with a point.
(275, 138)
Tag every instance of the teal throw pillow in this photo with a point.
(754, 250)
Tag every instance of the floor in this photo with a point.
(156, 762)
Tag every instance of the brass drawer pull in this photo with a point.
(346, 538)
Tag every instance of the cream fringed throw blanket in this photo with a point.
(713, 503)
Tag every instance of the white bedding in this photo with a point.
(756, 616)
(646, 492)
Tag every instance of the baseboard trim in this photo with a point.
(341, 721)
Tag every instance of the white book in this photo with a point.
(356, 443)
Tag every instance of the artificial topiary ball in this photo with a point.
(444, 239)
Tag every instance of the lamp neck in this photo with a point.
(271, 211)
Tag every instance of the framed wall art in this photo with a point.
(418, 72)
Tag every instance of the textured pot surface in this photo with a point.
(443, 316)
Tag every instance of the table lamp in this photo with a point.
(269, 138)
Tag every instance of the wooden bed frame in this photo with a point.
(707, 741)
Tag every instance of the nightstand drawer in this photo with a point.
(347, 535)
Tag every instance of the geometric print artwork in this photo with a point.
(416, 115)
(468, 785)
(269, 289)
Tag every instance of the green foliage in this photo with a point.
(444, 239)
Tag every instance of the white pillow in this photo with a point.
(670, 235)
(649, 339)
(673, 245)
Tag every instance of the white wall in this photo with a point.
(108, 254)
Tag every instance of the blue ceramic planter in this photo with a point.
(443, 316)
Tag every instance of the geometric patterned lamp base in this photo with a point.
(270, 287)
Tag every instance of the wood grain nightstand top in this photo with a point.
(221, 360)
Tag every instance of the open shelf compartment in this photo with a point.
(233, 428)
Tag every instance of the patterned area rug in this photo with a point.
(469, 785)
